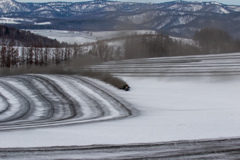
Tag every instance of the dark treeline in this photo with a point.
(26, 38)
(212, 40)
(140, 46)
(145, 46)
(104, 52)
(207, 41)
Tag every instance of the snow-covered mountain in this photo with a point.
(7, 6)
(180, 18)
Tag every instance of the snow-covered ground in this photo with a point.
(171, 107)
(85, 36)
(5, 20)
(184, 40)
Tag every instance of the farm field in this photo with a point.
(187, 101)
(81, 37)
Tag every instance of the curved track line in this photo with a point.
(196, 149)
(25, 104)
(7, 106)
(65, 100)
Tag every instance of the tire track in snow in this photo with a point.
(51, 92)
(96, 105)
(4, 104)
(63, 95)
(22, 112)
(47, 104)
(195, 149)
(55, 100)
(129, 112)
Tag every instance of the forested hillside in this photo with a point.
(25, 38)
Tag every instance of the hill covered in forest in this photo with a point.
(25, 38)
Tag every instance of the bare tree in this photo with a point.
(46, 55)
(57, 55)
(15, 57)
(144, 46)
(41, 56)
(102, 51)
(36, 54)
(212, 40)
(3, 54)
(23, 56)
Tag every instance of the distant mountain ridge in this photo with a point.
(178, 18)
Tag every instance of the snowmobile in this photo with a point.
(125, 87)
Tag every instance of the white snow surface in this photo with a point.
(184, 40)
(171, 108)
(190, 7)
(5, 20)
(81, 37)
(234, 8)
(43, 23)
(183, 20)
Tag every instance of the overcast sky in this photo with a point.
(235, 2)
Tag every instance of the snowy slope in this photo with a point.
(7, 6)
(196, 97)
(86, 36)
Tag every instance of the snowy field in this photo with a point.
(178, 98)
(85, 36)
(193, 98)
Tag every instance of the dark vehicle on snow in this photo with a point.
(125, 87)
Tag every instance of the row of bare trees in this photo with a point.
(13, 56)
(143, 46)
(207, 40)
(104, 52)
(212, 40)
(9, 56)
(136, 46)
(23, 48)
